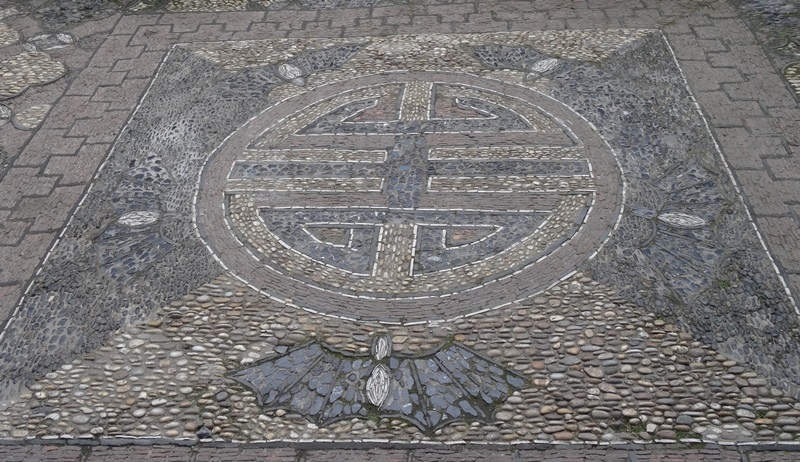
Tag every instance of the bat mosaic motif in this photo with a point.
(450, 383)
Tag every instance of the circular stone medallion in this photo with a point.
(410, 197)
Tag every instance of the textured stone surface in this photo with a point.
(680, 328)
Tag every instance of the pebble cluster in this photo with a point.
(138, 218)
(30, 117)
(791, 47)
(8, 35)
(597, 369)
(27, 69)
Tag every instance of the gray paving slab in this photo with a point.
(310, 223)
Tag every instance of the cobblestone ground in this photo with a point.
(390, 230)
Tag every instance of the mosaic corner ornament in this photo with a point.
(451, 383)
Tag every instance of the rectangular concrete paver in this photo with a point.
(30, 453)
(376, 455)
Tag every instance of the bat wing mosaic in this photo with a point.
(450, 383)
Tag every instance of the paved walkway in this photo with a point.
(320, 453)
(239, 229)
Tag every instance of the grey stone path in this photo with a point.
(299, 230)
(132, 453)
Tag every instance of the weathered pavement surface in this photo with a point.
(389, 230)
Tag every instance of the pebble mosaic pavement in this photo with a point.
(323, 229)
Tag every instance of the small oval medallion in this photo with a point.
(544, 65)
(381, 347)
(682, 220)
(138, 218)
(378, 385)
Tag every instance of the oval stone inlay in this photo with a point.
(138, 218)
(682, 220)
(378, 385)
(381, 347)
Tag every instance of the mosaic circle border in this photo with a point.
(215, 231)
